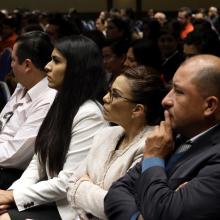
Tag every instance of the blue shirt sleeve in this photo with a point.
(135, 215)
(151, 162)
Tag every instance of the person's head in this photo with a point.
(100, 24)
(201, 42)
(160, 17)
(118, 28)
(8, 28)
(193, 102)
(184, 15)
(30, 54)
(76, 71)
(135, 95)
(143, 52)
(212, 12)
(76, 66)
(114, 55)
(168, 40)
(59, 27)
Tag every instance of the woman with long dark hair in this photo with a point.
(76, 72)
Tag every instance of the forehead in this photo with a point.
(122, 83)
(14, 50)
(184, 76)
(181, 14)
(107, 50)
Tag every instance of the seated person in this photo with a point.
(66, 134)
(134, 103)
(179, 176)
(22, 116)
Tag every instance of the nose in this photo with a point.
(126, 63)
(106, 98)
(47, 68)
(167, 101)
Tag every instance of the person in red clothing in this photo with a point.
(8, 34)
(184, 17)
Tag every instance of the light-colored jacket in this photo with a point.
(104, 165)
(30, 191)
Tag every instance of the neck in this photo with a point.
(129, 135)
(34, 79)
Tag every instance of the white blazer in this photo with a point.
(29, 191)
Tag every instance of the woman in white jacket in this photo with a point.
(65, 136)
(134, 103)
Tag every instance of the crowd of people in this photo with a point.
(116, 118)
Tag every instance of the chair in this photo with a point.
(5, 63)
(4, 94)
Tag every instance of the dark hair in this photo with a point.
(147, 53)
(36, 46)
(187, 10)
(118, 47)
(122, 25)
(83, 81)
(206, 42)
(147, 89)
(97, 36)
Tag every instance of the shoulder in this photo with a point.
(90, 108)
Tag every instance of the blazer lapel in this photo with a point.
(207, 140)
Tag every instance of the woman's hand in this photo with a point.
(6, 197)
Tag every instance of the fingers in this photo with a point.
(181, 186)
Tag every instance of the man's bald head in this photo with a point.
(205, 72)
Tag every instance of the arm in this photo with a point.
(119, 202)
(198, 199)
(85, 125)
(93, 185)
(17, 150)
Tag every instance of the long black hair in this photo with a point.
(83, 80)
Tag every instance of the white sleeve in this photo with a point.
(18, 150)
(86, 123)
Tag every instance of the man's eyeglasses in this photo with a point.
(115, 95)
(5, 119)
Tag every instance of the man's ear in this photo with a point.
(138, 110)
(28, 64)
(211, 104)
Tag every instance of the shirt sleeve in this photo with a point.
(151, 162)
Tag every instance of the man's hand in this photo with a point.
(160, 142)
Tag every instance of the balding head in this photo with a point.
(205, 72)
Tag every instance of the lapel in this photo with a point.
(208, 140)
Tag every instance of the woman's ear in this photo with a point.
(138, 110)
(211, 104)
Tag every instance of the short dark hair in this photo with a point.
(36, 46)
(147, 53)
(118, 47)
(147, 89)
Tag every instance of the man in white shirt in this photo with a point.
(22, 116)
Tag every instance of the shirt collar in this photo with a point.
(34, 91)
(202, 133)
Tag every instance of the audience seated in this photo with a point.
(179, 176)
(143, 52)
(134, 103)
(23, 114)
(114, 56)
(65, 136)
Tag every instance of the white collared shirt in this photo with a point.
(18, 133)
